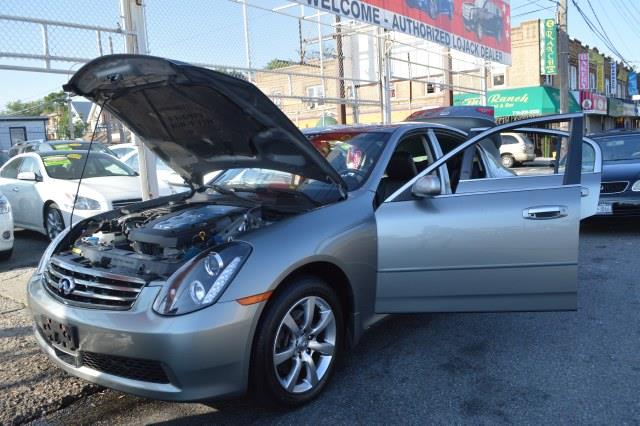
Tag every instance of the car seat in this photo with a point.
(400, 170)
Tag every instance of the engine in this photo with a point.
(154, 243)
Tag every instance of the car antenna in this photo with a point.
(86, 159)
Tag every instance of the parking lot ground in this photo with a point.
(530, 368)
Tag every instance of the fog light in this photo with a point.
(6, 235)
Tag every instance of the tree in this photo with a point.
(54, 102)
(49, 104)
(276, 63)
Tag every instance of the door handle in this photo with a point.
(584, 191)
(545, 212)
(16, 189)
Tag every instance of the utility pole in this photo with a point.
(134, 22)
(247, 41)
(563, 56)
(71, 126)
(448, 77)
(342, 107)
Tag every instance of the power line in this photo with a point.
(598, 33)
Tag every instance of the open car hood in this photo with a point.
(198, 120)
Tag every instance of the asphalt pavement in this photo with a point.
(529, 368)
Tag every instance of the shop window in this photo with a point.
(573, 77)
(316, 96)
(434, 86)
(548, 80)
(592, 81)
(607, 86)
(276, 97)
(498, 80)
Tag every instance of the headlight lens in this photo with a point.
(49, 251)
(5, 207)
(82, 203)
(636, 186)
(202, 280)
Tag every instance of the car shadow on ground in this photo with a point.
(28, 247)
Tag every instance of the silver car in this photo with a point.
(261, 279)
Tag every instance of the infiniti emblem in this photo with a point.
(66, 285)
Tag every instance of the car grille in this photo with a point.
(130, 368)
(613, 187)
(91, 288)
(118, 204)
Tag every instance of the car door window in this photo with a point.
(10, 171)
(448, 141)
(30, 165)
(411, 156)
(133, 163)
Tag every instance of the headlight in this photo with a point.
(49, 251)
(636, 186)
(202, 280)
(82, 203)
(5, 207)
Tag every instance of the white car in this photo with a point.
(516, 148)
(123, 149)
(6, 228)
(165, 173)
(41, 188)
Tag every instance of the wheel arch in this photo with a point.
(45, 206)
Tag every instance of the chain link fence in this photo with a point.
(317, 69)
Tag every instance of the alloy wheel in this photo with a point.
(305, 345)
(55, 224)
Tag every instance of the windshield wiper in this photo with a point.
(226, 191)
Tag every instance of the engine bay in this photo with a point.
(153, 243)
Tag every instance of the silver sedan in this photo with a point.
(261, 279)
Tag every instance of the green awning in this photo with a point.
(524, 101)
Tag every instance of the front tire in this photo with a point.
(508, 161)
(298, 342)
(53, 221)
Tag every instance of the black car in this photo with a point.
(483, 17)
(620, 187)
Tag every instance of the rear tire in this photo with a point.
(294, 354)
(507, 160)
(53, 221)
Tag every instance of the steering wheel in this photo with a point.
(353, 173)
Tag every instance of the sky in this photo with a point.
(211, 32)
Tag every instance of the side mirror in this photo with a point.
(427, 186)
(27, 176)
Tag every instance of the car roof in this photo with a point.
(386, 128)
(65, 152)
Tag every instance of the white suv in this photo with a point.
(516, 148)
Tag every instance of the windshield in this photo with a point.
(620, 147)
(79, 146)
(69, 166)
(353, 154)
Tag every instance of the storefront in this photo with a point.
(623, 112)
(595, 109)
(520, 103)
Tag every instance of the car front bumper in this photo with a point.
(6, 231)
(202, 355)
(621, 205)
